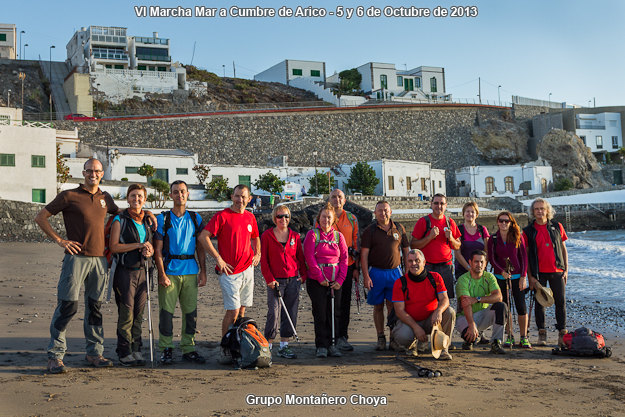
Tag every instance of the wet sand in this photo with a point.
(475, 382)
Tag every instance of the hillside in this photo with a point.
(36, 91)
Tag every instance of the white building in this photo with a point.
(7, 41)
(399, 178)
(504, 180)
(601, 132)
(290, 69)
(27, 159)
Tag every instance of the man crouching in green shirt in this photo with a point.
(480, 299)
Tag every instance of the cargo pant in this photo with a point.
(131, 289)
(92, 270)
(183, 288)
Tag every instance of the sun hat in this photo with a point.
(440, 341)
(543, 295)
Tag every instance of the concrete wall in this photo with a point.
(78, 92)
(611, 126)
(276, 73)
(118, 85)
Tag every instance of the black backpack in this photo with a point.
(583, 342)
(480, 230)
(167, 257)
(392, 317)
(247, 346)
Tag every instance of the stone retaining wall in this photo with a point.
(17, 222)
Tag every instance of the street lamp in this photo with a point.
(499, 94)
(22, 77)
(9, 98)
(25, 45)
(21, 44)
(316, 183)
(224, 67)
(50, 81)
(550, 100)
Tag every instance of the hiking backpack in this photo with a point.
(167, 257)
(110, 256)
(583, 342)
(392, 317)
(480, 230)
(247, 346)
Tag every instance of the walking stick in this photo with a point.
(509, 269)
(277, 290)
(529, 317)
(357, 289)
(151, 334)
(332, 312)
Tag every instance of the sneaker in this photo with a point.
(483, 340)
(525, 343)
(381, 345)
(322, 352)
(286, 352)
(542, 338)
(99, 361)
(344, 345)
(561, 333)
(167, 357)
(445, 356)
(139, 358)
(467, 345)
(128, 360)
(56, 366)
(496, 347)
(225, 358)
(334, 352)
(193, 357)
(509, 341)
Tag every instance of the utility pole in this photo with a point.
(499, 94)
(234, 70)
(479, 88)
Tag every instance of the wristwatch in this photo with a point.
(479, 299)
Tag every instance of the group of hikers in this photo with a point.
(413, 277)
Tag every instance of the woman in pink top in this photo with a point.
(326, 255)
(284, 269)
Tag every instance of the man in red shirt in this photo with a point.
(437, 236)
(420, 306)
(234, 228)
(548, 262)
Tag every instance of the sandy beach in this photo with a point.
(475, 382)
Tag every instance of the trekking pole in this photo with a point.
(357, 289)
(529, 317)
(332, 311)
(277, 290)
(509, 270)
(151, 334)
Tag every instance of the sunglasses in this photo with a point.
(282, 216)
(504, 221)
(92, 171)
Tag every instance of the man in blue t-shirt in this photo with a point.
(178, 274)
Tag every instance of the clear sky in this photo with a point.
(570, 48)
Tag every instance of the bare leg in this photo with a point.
(378, 318)
(523, 325)
(229, 318)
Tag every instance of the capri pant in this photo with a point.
(517, 294)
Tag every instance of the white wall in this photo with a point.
(326, 94)
(475, 179)
(119, 163)
(17, 182)
(118, 85)
(612, 123)
(8, 48)
(276, 73)
(306, 67)
(377, 69)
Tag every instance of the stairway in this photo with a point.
(59, 72)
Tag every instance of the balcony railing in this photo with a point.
(114, 54)
(109, 39)
(589, 126)
(159, 58)
(152, 41)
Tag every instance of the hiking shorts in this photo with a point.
(237, 289)
(383, 281)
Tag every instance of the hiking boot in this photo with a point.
(56, 366)
(128, 360)
(509, 341)
(467, 345)
(381, 345)
(561, 333)
(99, 361)
(483, 340)
(225, 358)
(344, 345)
(139, 358)
(194, 358)
(334, 352)
(496, 347)
(322, 352)
(286, 352)
(423, 347)
(167, 357)
(525, 343)
(393, 345)
(542, 337)
(445, 356)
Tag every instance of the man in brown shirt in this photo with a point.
(382, 245)
(84, 209)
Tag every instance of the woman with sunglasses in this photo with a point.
(326, 256)
(284, 269)
(506, 253)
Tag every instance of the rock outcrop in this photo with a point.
(500, 142)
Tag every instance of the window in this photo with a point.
(315, 73)
(423, 185)
(433, 85)
(182, 171)
(162, 174)
(245, 180)
(5, 120)
(614, 142)
(490, 185)
(509, 182)
(543, 185)
(39, 195)
(417, 82)
(440, 185)
(132, 170)
(3, 37)
(599, 142)
(117, 66)
(391, 182)
(162, 69)
(141, 67)
(217, 177)
(297, 71)
(38, 161)
(7, 159)
(383, 81)
(583, 138)
(151, 68)
(408, 183)
(400, 81)
(108, 66)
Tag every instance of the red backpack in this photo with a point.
(583, 342)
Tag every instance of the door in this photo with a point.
(408, 84)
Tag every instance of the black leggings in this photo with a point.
(517, 294)
(556, 283)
